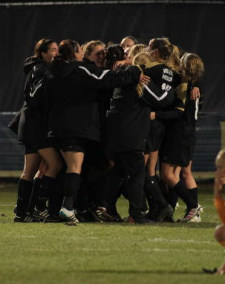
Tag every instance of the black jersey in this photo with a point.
(179, 142)
(160, 92)
(182, 129)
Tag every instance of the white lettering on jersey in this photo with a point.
(167, 75)
(165, 87)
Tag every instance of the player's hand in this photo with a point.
(152, 115)
(195, 93)
(144, 79)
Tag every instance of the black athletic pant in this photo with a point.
(129, 164)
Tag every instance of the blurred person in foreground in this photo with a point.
(219, 202)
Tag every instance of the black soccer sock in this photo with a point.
(194, 193)
(34, 195)
(56, 194)
(24, 192)
(172, 198)
(181, 190)
(72, 184)
(45, 188)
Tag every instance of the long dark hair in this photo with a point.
(164, 47)
(42, 46)
(114, 53)
(67, 48)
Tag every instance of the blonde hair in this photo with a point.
(137, 48)
(141, 58)
(192, 66)
(89, 47)
(221, 156)
(174, 61)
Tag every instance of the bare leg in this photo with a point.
(188, 177)
(31, 165)
(53, 161)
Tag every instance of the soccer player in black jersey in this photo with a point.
(32, 131)
(166, 78)
(178, 145)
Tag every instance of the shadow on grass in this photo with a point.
(107, 271)
(202, 225)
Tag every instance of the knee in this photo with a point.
(28, 174)
(219, 234)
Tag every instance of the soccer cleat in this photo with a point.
(141, 221)
(196, 219)
(200, 208)
(18, 219)
(103, 215)
(130, 220)
(30, 219)
(40, 216)
(26, 219)
(164, 213)
(68, 215)
(190, 213)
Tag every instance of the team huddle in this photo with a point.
(100, 122)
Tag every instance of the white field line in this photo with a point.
(165, 240)
(158, 250)
(147, 250)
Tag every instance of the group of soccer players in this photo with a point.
(95, 123)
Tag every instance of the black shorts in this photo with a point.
(156, 135)
(176, 153)
(31, 149)
(73, 144)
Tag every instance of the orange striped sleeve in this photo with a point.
(220, 208)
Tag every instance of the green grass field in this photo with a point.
(108, 253)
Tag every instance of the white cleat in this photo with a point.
(196, 219)
(68, 215)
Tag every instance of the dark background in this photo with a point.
(196, 28)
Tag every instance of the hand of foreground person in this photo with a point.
(152, 115)
(144, 79)
(195, 93)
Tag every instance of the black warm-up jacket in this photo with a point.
(73, 92)
(33, 123)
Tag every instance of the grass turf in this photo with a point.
(108, 253)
